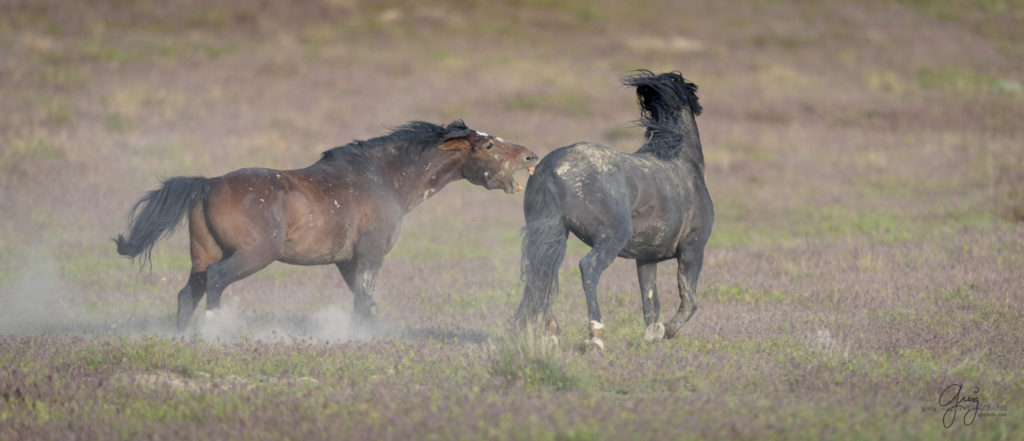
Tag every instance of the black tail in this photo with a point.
(162, 211)
(543, 249)
(663, 100)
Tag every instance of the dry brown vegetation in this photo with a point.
(866, 159)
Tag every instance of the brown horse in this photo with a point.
(345, 209)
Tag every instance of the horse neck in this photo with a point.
(415, 179)
(691, 148)
(685, 138)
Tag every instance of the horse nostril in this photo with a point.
(531, 157)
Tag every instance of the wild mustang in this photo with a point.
(345, 209)
(650, 206)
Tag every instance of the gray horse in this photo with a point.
(652, 205)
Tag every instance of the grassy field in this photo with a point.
(866, 160)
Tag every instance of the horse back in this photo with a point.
(308, 216)
(664, 203)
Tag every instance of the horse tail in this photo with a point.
(161, 213)
(544, 243)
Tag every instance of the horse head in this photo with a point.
(489, 161)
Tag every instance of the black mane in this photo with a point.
(663, 98)
(411, 138)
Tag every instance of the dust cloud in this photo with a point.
(39, 302)
(332, 324)
(33, 303)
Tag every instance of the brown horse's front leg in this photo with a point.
(360, 277)
(366, 308)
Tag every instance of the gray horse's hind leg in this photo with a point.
(601, 255)
(189, 297)
(689, 269)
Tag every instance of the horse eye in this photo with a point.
(489, 145)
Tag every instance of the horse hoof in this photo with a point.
(211, 314)
(654, 332)
(594, 344)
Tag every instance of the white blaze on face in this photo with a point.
(484, 134)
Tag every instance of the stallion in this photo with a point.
(345, 209)
(650, 206)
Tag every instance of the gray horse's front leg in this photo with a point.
(689, 269)
(647, 272)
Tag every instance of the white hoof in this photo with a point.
(596, 329)
(654, 332)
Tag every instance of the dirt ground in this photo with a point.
(865, 158)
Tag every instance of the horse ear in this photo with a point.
(457, 129)
(455, 144)
(695, 106)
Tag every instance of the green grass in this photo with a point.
(32, 147)
(573, 103)
(736, 293)
(962, 80)
(734, 227)
(529, 360)
(883, 222)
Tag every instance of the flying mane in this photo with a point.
(663, 98)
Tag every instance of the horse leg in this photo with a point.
(647, 272)
(189, 297)
(237, 267)
(592, 265)
(690, 262)
(204, 250)
(360, 277)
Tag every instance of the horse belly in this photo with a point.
(315, 249)
(649, 247)
(654, 238)
(315, 235)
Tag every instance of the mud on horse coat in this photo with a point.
(346, 209)
(651, 205)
